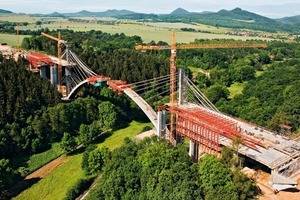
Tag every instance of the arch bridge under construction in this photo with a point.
(192, 116)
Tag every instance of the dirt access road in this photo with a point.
(262, 180)
(48, 168)
(37, 175)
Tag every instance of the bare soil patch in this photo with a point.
(262, 180)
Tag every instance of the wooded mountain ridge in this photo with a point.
(236, 18)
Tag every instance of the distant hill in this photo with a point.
(140, 16)
(56, 14)
(290, 20)
(236, 18)
(5, 11)
(239, 14)
(180, 11)
(108, 13)
(206, 12)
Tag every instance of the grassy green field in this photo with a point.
(11, 40)
(57, 183)
(17, 18)
(148, 31)
(154, 32)
(38, 160)
(117, 138)
(194, 70)
(236, 88)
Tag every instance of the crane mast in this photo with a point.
(173, 49)
(173, 100)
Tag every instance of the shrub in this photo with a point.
(78, 188)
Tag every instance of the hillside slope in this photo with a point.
(108, 13)
(295, 20)
(5, 11)
(236, 18)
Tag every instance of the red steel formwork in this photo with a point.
(198, 133)
(118, 85)
(204, 128)
(98, 78)
(201, 133)
(38, 59)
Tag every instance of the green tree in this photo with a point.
(76, 190)
(84, 135)
(107, 115)
(96, 160)
(203, 81)
(245, 187)
(216, 92)
(227, 156)
(152, 169)
(214, 174)
(6, 175)
(38, 23)
(245, 73)
(87, 133)
(68, 142)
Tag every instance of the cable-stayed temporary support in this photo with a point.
(188, 92)
(202, 99)
(153, 88)
(77, 73)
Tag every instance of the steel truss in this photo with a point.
(205, 128)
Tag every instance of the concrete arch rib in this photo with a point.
(146, 108)
(74, 90)
(150, 113)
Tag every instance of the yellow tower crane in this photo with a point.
(173, 49)
(59, 45)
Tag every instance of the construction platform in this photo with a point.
(279, 153)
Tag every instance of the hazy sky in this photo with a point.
(269, 8)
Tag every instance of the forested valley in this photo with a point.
(154, 169)
(32, 116)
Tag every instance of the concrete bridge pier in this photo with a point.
(161, 131)
(68, 79)
(182, 87)
(53, 75)
(43, 72)
(178, 139)
(194, 150)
